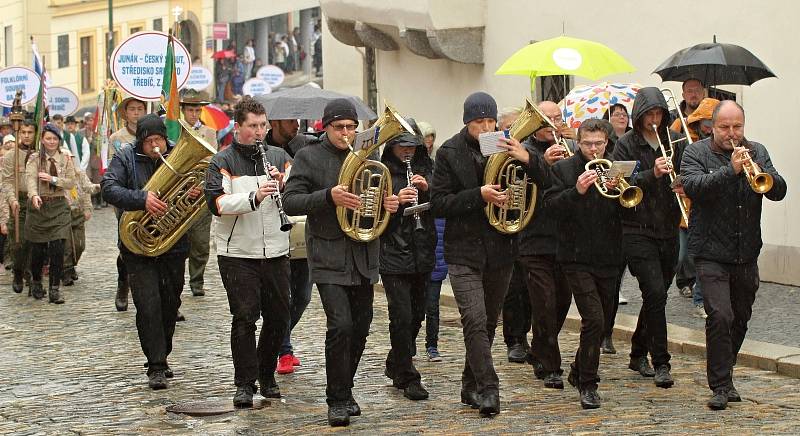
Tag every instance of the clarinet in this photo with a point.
(286, 224)
(409, 174)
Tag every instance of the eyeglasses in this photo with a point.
(157, 140)
(593, 143)
(620, 114)
(342, 127)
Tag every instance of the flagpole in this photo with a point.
(110, 38)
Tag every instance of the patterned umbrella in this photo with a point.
(592, 101)
(214, 117)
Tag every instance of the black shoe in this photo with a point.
(470, 398)
(121, 300)
(353, 409)
(17, 284)
(516, 353)
(169, 374)
(67, 281)
(553, 381)
(538, 369)
(590, 399)
(157, 380)
(733, 394)
(269, 388)
(338, 416)
(244, 396)
(572, 378)
(198, 292)
(55, 295)
(415, 392)
(719, 401)
(642, 366)
(663, 378)
(607, 347)
(490, 404)
(37, 291)
(180, 317)
(73, 275)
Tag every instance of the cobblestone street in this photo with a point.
(77, 369)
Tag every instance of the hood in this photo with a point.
(420, 161)
(646, 99)
(703, 111)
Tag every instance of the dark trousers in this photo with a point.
(405, 296)
(652, 261)
(550, 298)
(594, 296)
(479, 295)
(729, 291)
(432, 314)
(609, 330)
(685, 275)
(122, 272)
(516, 308)
(53, 253)
(299, 297)
(348, 310)
(156, 284)
(256, 288)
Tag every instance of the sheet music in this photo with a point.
(488, 142)
(366, 138)
(626, 168)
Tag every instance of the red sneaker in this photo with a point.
(285, 364)
(295, 360)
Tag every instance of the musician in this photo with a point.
(343, 269)
(407, 258)
(651, 229)
(192, 103)
(18, 205)
(156, 282)
(80, 204)
(254, 270)
(48, 173)
(725, 238)
(589, 250)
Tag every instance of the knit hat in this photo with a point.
(150, 124)
(339, 109)
(479, 105)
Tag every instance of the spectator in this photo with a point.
(249, 57)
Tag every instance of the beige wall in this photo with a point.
(237, 11)
(434, 90)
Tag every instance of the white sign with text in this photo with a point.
(138, 64)
(14, 78)
(199, 78)
(271, 74)
(256, 86)
(61, 101)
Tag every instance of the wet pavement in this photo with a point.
(77, 369)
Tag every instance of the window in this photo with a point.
(63, 51)
(720, 94)
(9, 48)
(158, 24)
(136, 29)
(553, 88)
(87, 66)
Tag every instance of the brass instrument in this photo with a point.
(151, 235)
(669, 155)
(370, 180)
(760, 182)
(670, 97)
(415, 207)
(511, 175)
(629, 196)
(286, 223)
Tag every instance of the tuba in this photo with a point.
(370, 180)
(184, 169)
(629, 196)
(760, 182)
(510, 174)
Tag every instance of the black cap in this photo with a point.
(339, 109)
(479, 105)
(150, 124)
(70, 119)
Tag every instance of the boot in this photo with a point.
(37, 291)
(66, 278)
(122, 297)
(17, 284)
(55, 295)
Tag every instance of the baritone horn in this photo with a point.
(511, 175)
(628, 196)
(370, 180)
(760, 182)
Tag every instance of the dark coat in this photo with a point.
(440, 268)
(539, 236)
(333, 257)
(123, 183)
(658, 215)
(404, 250)
(589, 228)
(725, 224)
(295, 144)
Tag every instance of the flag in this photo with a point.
(169, 94)
(41, 98)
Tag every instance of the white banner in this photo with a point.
(138, 64)
(271, 74)
(199, 78)
(256, 86)
(61, 101)
(14, 78)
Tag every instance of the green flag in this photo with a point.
(169, 94)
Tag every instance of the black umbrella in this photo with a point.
(714, 64)
(307, 103)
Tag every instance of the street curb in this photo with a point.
(777, 358)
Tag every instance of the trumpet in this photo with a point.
(286, 223)
(628, 196)
(760, 182)
(669, 155)
(415, 207)
(562, 142)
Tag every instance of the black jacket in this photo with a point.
(295, 144)
(404, 250)
(589, 228)
(333, 257)
(725, 223)
(658, 215)
(123, 183)
(539, 237)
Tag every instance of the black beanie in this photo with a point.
(479, 105)
(150, 124)
(339, 109)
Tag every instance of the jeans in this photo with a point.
(405, 296)
(53, 252)
(299, 297)
(697, 294)
(348, 310)
(432, 314)
(516, 308)
(156, 284)
(685, 274)
(652, 261)
(729, 292)
(256, 288)
(479, 295)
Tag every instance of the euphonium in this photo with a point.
(668, 156)
(760, 182)
(629, 196)
(184, 169)
(511, 175)
(370, 180)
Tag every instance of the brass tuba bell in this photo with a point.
(184, 169)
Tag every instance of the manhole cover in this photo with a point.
(213, 407)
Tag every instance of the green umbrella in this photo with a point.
(565, 56)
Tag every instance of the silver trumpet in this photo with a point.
(286, 223)
(415, 208)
